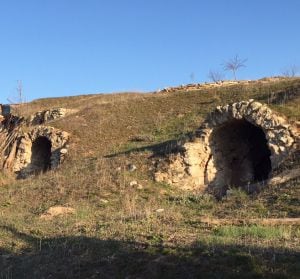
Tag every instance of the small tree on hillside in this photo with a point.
(192, 77)
(18, 101)
(290, 71)
(234, 64)
(215, 76)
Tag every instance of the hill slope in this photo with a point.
(125, 224)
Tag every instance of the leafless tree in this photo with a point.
(234, 64)
(215, 76)
(18, 101)
(290, 71)
(20, 92)
(192, 77)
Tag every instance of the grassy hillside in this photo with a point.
(127, 226)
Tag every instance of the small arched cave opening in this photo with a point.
(240, 155)
(41, 154)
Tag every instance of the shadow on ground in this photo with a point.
(158, 149)
(85, 257)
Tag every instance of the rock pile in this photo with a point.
(209, 85)
(42, 117)
(237, 145)
(197, 86)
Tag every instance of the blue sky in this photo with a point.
(69, 47)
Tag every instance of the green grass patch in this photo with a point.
(255, 231)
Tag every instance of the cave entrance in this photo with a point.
(41, 154)
(240, 154)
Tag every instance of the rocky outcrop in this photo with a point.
(26, 149)
(221, 83)
(40, 149)
(206, 85)
(42, 117)
(237, 145)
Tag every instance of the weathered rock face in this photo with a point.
(27, 149)
(220, 83)
(237, 145)
(41, 149)
(42, 117)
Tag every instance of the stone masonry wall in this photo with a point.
(23, 145)
(23, 157)
(203, 163)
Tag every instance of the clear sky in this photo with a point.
(68, 47)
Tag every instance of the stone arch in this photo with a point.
(240, 154)
(41, 149)
(239, 143)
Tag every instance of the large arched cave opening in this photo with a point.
(41, 154)
(238, 144)
(239, 155)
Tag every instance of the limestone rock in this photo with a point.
(45, 116)
(133, 183)
(206, 85)
(55, 211)
(140, 187)
(28, 150)
(40, 149)
(238, 144)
